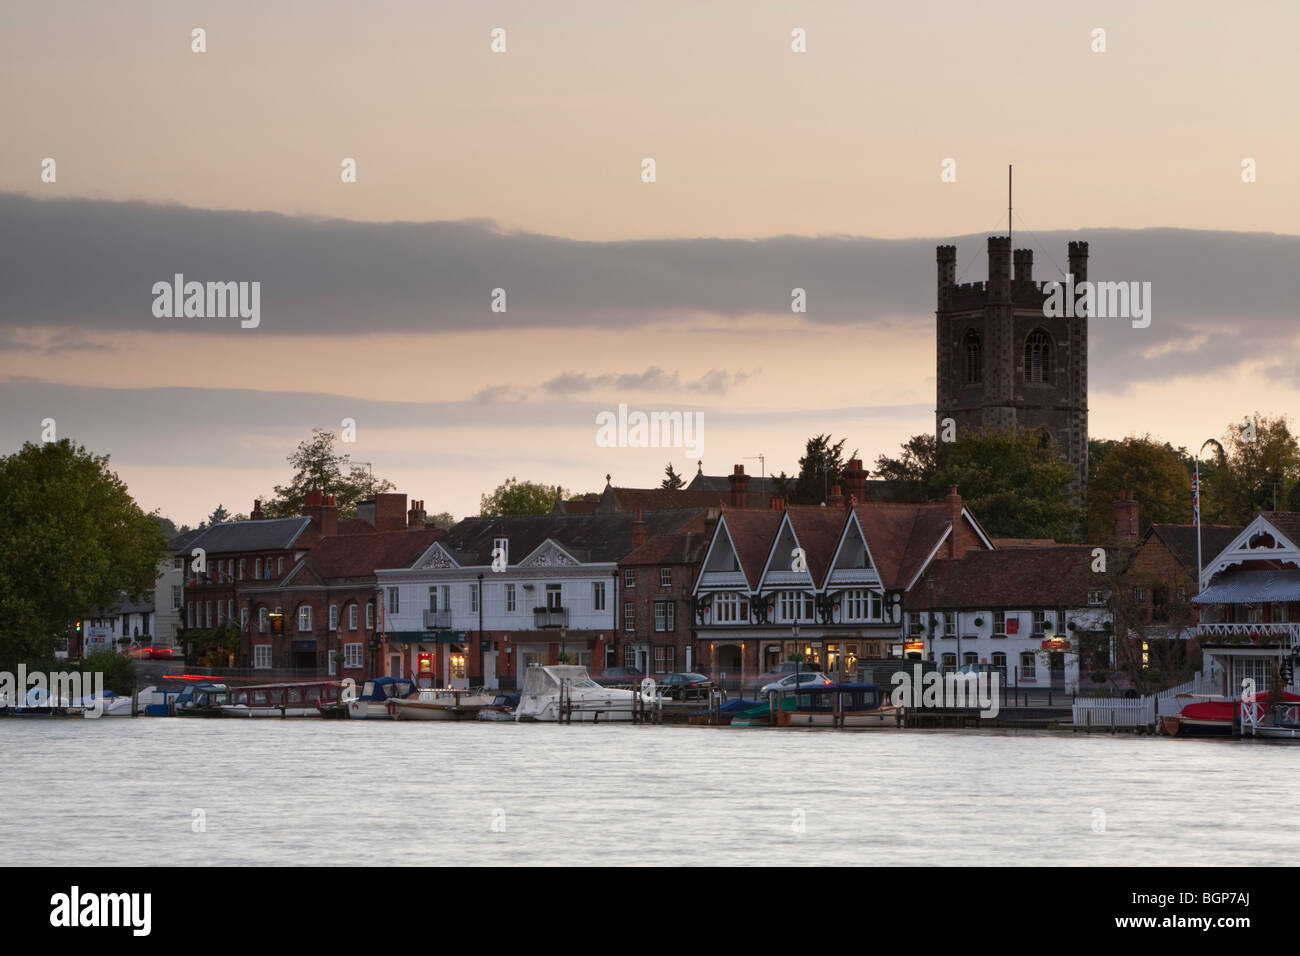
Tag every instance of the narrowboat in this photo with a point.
(286, 699)
(372, 702)
(859, 706)
(202, 700)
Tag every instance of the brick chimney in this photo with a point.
(855, 480)
(837, 497)
(954, 504)
(328, 522)
(739, 487)
(390, 511)
(1126, 519)
(638, 530)
(311, 505)
(777, 503)
(415, 516)
(256, 514)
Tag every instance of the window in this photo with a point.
(279, 565)
(456, 664)
(333, 665)
(1180, 594)
(554, 597)
(262, 655)
(473, 598)
(304, 618)
(1038, 357)
(629, 657)
(334, 617)
(433, 599)
(1096, 598)
(1000, 662)
(261, 619)
(352, 652)
(178, 563)
(208, 618)
(877, 606)
(730, 608)
(1027, 664)
(1044, 622)
(999, 623)
(176, 597)
(510, 599)
(629, 619)
(914, 623)
(266, 570)
(394, 603)
(230, 609)
(352, 617)
(949, 623)
(598, 595)
(665, 659)
(663, 615)
(949, 662)
(1140, 595)
(855, 605)
(243, 618)
(665, 577)
(241, 569)
(370, 617)
(629, 578)
(970, 657)
(257, 568)
(501, 548)
(795, 606)
(973, 370)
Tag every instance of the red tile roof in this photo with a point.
(1015, 578)
(360, 555)
(752, 533)
(818, 530)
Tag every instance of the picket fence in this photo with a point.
(1114, 711)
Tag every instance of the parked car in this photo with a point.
(685, 686)
(795, 681)
(784, 669)
(619, 677)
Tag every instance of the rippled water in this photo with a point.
(377, 792)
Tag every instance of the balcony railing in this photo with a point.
(550, 617)
(437, 620)
(1287, 635)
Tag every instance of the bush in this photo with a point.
(118, 670)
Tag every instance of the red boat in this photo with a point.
(1207, 718)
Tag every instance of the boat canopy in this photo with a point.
(540, 681)
(384, 688)
(1252, 587)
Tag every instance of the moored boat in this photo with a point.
(861, 706)
(202, 700)
(502, 708)
(566, 691)
(726, 713)
(439, 704)
(372, 702)
(285, 699)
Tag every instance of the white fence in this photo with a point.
(1198, 685)
(1114, 711)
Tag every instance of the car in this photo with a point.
(619, 677)
(794, 681)
(786, 668)
(684, 686)
(160, 653)
(138, 651)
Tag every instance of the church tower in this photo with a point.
(1003, 364)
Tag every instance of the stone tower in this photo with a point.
(1003, 364)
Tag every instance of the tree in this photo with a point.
(515, 497)
(1154, 473)
(672, 481)
(219, 515)
(317, 466)
(74, 539)
(1013, 485)
(821, 467)
(443, 520)
(914, 470)
(1261, 464)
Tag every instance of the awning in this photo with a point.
(428, 637)
(1252, 587)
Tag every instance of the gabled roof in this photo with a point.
(751, 534)
(1180, 541)
(272, 534)
(686, 545)
(592, 538)
(360, 555)
(902, 537)
(1016, 578)
(819, 531)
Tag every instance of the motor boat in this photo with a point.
(502, 708)
(202, 700)
(443, 703)
(372, 702)
(567, 692)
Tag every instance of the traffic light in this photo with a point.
(78, 627)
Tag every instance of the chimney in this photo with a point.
(390, 511)
(311, 506)
(256, 514)
(1024, 263)
(327, 522)
(946, 257)
(1126, 520)
(1079, 261)
(954, 515)
(855, 480)
(638, 530)
(999, 287)
(777, 502)
(415, 516)
(837, 497)
(739, 487)
(366, 511)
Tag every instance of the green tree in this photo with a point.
(914, 469)
(1014, 487)
(317, 466)
(821, 466)
(515, 497)
(672, 481)
(443, 520)
(1155, 474)
(118, 669)
(73, 539)
(1257, 469)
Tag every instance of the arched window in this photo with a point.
(1038, 357)
(973, 355)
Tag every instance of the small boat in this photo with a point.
(760, 715)
(110, 705)
(502, 708)
(860, 706)
(1280, 721)
(285, 699)
(202, 700)
(726, 713)
(372, 702)
(566, 691)
(1221, 717)
(443, 703)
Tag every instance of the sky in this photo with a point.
(523, 171)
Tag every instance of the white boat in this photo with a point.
(372, 702)
(442, 703)
(110, 705)
(567, 690)
(288, 699)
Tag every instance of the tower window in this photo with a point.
(1038, 357)
(974, 356)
